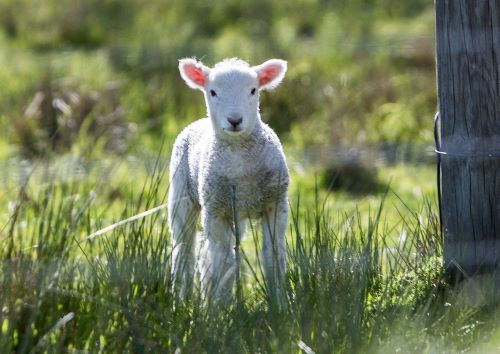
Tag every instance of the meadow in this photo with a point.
(90, 104)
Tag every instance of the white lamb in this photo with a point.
(232, 148)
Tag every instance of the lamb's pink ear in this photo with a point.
(270, 73)
(194, 73)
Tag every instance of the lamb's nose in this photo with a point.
(235, 120)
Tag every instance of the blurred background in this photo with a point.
(91, 101)
(99, 78)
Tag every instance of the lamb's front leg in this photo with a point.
(274, 225)
(217, 261)
(182, 219)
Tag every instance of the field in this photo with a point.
(90, 104)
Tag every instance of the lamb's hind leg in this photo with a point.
(182, 218)
(274, 224)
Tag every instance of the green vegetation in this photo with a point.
(361, 72)
(90, 103)
(350, 287)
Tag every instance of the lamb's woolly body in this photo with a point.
(230, 148)
(210, 166)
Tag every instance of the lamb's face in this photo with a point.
(232, 98)
(231, 90)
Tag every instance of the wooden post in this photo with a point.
(468, 72)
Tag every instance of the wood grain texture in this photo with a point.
(468, 59)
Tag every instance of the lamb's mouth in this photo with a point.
(233, 130)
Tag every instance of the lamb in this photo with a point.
(232, 148)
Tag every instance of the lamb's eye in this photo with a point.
(253, 91)
(212, 92)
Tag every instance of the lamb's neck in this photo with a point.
(242, 140)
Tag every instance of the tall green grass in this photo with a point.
(349, 288)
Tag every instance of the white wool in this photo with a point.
(232, 147)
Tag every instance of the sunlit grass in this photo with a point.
(350, 287)
(365, 268)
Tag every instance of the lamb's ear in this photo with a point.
(270, 73)
(194, 73)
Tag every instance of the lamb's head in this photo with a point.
(231, 90)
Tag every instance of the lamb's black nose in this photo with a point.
(235, 120)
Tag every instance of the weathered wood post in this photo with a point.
(468, 72)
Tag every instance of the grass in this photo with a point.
(359, 72)
(364, 266)
(351, 286)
